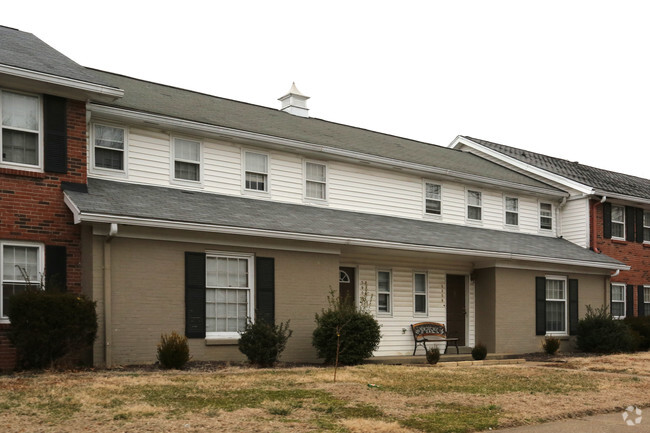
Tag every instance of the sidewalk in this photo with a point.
(608, 423)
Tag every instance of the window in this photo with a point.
(556, 305)
(315, 181)
(21, 264)
(618, 300)
(187, 160)
(432, 199)
(474, 205)
(420, 293)
(109, 147)
(545, 216)
(229, 294)
(646, 226)
(383, 291)
(618, 222)
(256, 171)
(21, 126)
(646, 300)
(512, 211)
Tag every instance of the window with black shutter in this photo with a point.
(265, 289)
(55, 134)
(55, 268)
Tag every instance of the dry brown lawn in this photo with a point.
(304, 399)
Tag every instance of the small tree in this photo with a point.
(263, 342)
(598, 332)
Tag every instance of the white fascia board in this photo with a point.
(624, 197)
(220, 131)
(462, 141)
(76, 213)
(214, 228)
(62, 81)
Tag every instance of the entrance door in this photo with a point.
(456, 311)
(346, 285)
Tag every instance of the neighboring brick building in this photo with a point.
(43, 142)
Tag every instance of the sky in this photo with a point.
(570, 79)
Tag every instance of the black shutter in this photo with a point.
(194, 295)
(629, 223)
(639, 225)
(55, 138)
(607, 220)
(55, 268)
(573, 307)
(540, 305)
(640, 300)
(629, 301)
(265, 289)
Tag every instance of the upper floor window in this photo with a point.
(21, 265)
(109, 147)
(420, 293)
(474, 206)
(315, 181)
(187, 160)
(545, 216)
(21, 126)
(433, 199)
(618, 222)
(512, 211)
(556, 305)
(646, 300)
(646, 226)
(383, 292)
(618, 300)
(256, 171)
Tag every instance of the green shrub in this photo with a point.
(173, 351)
(45, 326)
(263, 342)
(640, 326)
(598, 332)
(433, 355)
(551, 345)
(479, 352)
(355, 331)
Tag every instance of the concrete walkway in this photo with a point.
(608, 423)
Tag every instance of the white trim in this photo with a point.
(424, 200)
(539, 217)
(390, 293)
(473, 221)
(62, 81)
(36, 168)
(620, 238)
(305, 180)
(172, 163)
(426, 294)
(252, 137)
(256, 192)
(103, 171)
(506, 211)
(624, 301)
(566, 304)
(41, 266)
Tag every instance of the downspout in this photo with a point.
(558, 216)
(592, 226)
(108, 314)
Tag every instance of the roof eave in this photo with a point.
(615, 195)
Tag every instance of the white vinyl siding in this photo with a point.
(21, 265)
(618, 222)
(618, 301)
(575, 216)
(20, 122)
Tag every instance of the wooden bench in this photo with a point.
(431, 332)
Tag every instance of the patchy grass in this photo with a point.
(408, 398)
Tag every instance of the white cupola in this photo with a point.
(295, 102)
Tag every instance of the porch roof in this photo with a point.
(126, 203)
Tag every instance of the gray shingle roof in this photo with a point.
(155, 98)
(111, 198)
(25, 51)
(604, 180)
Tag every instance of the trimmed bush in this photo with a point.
(173, 351)
(551, 345)
(45, 326)
(263, 342)
(598, 332)
(355, 331)
(433, 355)
(640, 326)
(479, 352)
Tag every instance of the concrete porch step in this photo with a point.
(464, 358)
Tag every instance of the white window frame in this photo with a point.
(646, 300)
(251, 290)
(105, 170)
(623, 287)
(468, 205)
(181, 181)
(506, 211)
(618, 222)
(565, 301)
(388, 293)
(41, 268)
(425, 294)
(646, 226)
(427, 199)
(244, 171)
(41, 155)
(543, 216)
(306, 180)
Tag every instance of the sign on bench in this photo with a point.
(431, 332)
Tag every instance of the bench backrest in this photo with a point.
(427, 329)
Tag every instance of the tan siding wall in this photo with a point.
(485, 308)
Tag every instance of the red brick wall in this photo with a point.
(32, 209)
(634, 254)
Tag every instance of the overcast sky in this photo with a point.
(570, 79)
